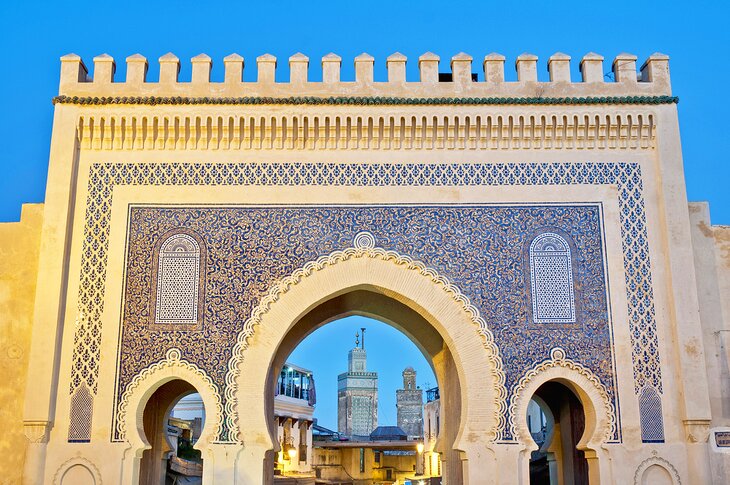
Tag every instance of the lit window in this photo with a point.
(551, 280)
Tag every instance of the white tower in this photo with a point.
(357, 394)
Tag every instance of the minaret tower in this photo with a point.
(409, 402)
(357, 394)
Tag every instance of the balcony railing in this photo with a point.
(293, 391)
(297, 384)
(432, 394)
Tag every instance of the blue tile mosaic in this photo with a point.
(479, 248)
(104, 177)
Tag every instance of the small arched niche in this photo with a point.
(78, 475)
(656, 475)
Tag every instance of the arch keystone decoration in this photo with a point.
(364, 246)
(600, 414)
(144, 384)
(364, 239)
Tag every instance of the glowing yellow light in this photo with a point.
(292, 453)
(419, 447)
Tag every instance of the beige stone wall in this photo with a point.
(402, 466)
(19, 245)
(138, 132)
(328, 463)
(712, 261)
(343, 464)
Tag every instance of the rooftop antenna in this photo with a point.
(363, 337)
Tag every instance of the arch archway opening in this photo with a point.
(173, 420)
(556, 419)
(432, 440)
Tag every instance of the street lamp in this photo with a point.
(420, 465)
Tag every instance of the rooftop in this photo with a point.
(388, 433)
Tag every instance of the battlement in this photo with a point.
(651, 80)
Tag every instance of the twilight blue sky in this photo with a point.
(34, 35)
(324, 352)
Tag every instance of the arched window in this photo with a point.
(178, 281)
(650, 416)
(551, 280)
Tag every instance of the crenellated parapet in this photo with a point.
(329, 114)
(651, 81)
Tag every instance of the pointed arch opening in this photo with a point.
(559, 460)
(161, 459)
(438, 319)
(144, 418)
(582, 420)
(360, 416)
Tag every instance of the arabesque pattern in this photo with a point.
(559, 359)
(253, 264)
(104, 177)
(364, 247)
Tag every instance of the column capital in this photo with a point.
(37, 431)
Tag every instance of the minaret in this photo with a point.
(357, 394)
(409, 403)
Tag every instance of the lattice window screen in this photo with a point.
(650, 415)
(178, 277)
(551, 280)
(82, 407)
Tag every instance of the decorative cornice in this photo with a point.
(360, 100)
(246, 127)
(364, 246)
